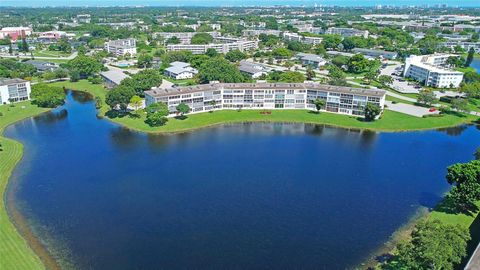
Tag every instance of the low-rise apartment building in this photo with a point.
(224, 46)
(463, 44)
(180, 71)
(184, 37)
(303, 39)
(257, 32)
(121, 47)
(218, 96)
(430, 71)
(376, 53)
(347, 32)
(14, 90)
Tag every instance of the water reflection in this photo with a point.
(454, 131)
(81, 97)
(51, 117)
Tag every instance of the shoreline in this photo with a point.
(21, 225)
(401, 233)
(14, 216)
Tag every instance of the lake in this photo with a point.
(476, 64)
(243, 196)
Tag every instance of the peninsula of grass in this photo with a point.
(390, 122)
(15, 252)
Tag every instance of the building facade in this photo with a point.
(218, 96)
(347, 32)
(228, 44)
(14, 90)
(462, 44)
(430, 71)
(184, 37)
(121, 47)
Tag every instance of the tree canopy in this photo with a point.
(219, 69)
(47, 96)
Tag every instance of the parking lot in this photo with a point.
(399, 83)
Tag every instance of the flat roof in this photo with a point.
(7, 81)
(160, 92)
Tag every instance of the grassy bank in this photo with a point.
(391, 121)
(15, 252)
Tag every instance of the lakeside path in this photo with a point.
(15, 252)
(390, 122)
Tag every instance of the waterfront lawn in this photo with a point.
(14, 250)
(390, 121)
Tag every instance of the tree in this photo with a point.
(201, 38)
(74, 76)
(183, 108)
(85, 65)
(348, 44)
(136, 102)
(98, 102)
(144, 60)
(385, 79)
(235, 56)
(371, 111)
(455, 61)
(331, 41)
(470, 55)
(219, 69)
(156, 119)
(460, 105)
(337, 76)
(292, 77)
(310, 73)
(157, 107)
(358, 64)
(434, 245)
(466, 180)
(282, 53)
(319, 104)
(143, 80)
(426, 97)
(371, 76)
(119, 97)
(477, 154)
(24, 45)
(47, 96)
(173, 40)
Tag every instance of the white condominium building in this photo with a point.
(14, 90)
(228, 44)
(430, 71)
(347, 32)
(184, 37)
(122, 47)
(218, 96)
(303, 39)
(257, 32)
(463, 44)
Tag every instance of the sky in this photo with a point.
(42, 3)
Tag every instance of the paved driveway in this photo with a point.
(409, 109)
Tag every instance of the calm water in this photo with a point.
(476, 64)
(247, 196)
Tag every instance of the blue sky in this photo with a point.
(37, 3)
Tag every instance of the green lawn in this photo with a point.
(50, 54)
(14, 250)
(391, 121)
